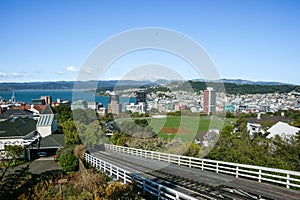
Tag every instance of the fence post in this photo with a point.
(177, 196)
(144, 186)
(124, 177)
(202, 165)
(178, 160)
(259, 175)
(117, 173)
(288, 181)
(101, 165)
(190, 162)
(158, 191)
(237, 172)
(217, 167)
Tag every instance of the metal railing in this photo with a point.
(162, 192)
(289, 179)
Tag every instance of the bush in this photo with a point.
(69, 162)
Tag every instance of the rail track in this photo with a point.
(181, 183)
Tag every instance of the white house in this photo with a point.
(141, 107)
(254, 124)
(282, 129)
(207, 138)
(47, 122)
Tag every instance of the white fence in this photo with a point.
(124, 176)
(289, 179)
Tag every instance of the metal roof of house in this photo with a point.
(45, 120)
(15, 113)
(17, 127)
(48, 110)
(55, 140)
(283, 130)
(273, 119)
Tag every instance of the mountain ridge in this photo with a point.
(61, 85)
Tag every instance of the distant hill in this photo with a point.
(68, 85)
(232, 86)
(245, 82)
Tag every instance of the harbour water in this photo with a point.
(70, 95)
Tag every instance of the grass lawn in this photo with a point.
(192, 124)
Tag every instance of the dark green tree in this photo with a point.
(70, 132)
(64, 113)
(68, 161)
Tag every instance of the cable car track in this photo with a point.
(186, 185)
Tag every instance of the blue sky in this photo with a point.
(50, 40)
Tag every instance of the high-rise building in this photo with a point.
(38, 102)
(140, 96)
(114, 106)
(48, 99)
(141, 101)
(114, 97)
(44, 100)
(209, 100)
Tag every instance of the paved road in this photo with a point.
(40, 165)
(43, 164)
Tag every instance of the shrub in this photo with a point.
(68, 162)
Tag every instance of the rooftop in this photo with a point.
(45, 120)
(283, 130)
(273, 119)
(17, 127)
(55, 140)
(39, 108)
(48, 110)
(15, 113)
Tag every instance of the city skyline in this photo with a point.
(49, 40)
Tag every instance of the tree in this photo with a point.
(9, 157)
(141, 122)
(85, 116)
(68, 161)
(296, 122)
(92, 134)
(71, 135)
(64, 112)
(193, 150)
(79, 151)
(119, 191)
(240, 148)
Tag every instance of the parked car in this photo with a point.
(42, 154)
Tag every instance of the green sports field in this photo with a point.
(188, 126)
(184, 127)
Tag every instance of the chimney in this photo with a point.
(22, 106)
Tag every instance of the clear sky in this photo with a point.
(247, 39)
